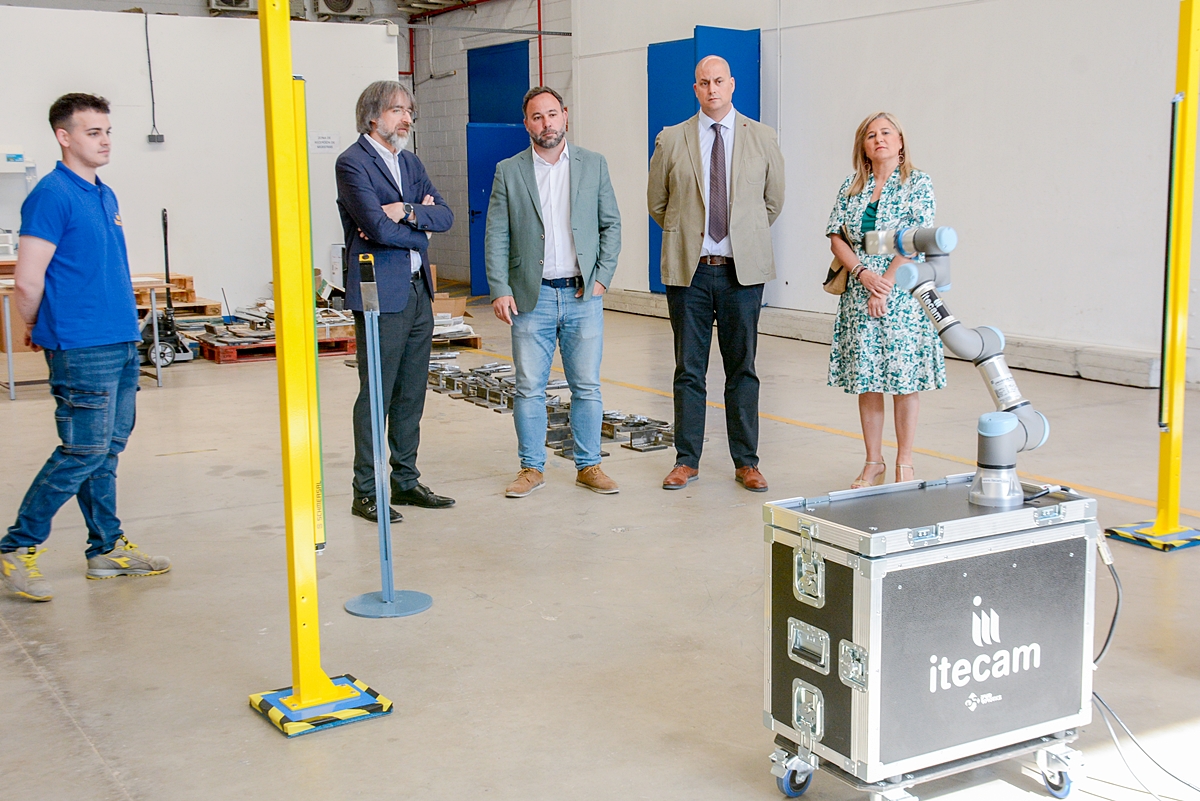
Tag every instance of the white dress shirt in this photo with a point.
(554, 193)
(707, 138)
(392, 160)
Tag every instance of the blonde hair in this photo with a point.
(862, 165)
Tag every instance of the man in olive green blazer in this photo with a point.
(716, 187)
(551, 244)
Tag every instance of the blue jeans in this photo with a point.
(96, 394)
(577, 326)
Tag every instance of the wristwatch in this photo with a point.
(408, 211)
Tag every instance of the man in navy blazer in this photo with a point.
(389, 208)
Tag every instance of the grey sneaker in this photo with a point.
(20, 572)
(126, 560)
(526, 482)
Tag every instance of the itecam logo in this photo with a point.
(945, 674)
(985, 626)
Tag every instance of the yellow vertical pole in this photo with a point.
(296, 364)
(1183, 179)
(306, 258)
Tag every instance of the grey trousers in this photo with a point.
(405, 341)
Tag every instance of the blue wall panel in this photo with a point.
(670, 73)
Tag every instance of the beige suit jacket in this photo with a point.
(676, 199)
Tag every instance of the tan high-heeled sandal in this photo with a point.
(900, 475)
(862, 482)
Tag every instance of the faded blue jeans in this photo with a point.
(95, 390)
(576, 325)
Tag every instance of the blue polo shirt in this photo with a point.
(88, 299)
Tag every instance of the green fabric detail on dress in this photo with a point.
(868, 221)
(899, 352)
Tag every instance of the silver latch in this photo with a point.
(852, 665)
(1048, 515)
(808, 579)
(808, 713)
(925, 535)
(808, 645)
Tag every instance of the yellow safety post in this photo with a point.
(1165, 532)
(307, 268)
(314, 700)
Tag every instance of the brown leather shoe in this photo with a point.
(526, 482)
(593, 478)
(750, 478)
(680, 476)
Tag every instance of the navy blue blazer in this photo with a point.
(364, 186)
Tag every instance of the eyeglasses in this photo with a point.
(412, 113)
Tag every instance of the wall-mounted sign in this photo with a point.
(323, 142)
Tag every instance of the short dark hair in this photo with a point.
(376, 99)
(63, 109)
(540, 90)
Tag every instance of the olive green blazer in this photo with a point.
(515, 239)
(676, 200)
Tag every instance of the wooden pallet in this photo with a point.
(475, 342)
(202, 307)
(222, 353)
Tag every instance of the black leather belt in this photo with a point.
(717, 261)
(416, 276)
(561, 283)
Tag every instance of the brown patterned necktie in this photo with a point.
(718, 194)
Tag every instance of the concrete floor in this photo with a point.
(579, 646)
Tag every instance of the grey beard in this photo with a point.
(397, 141)
(549, 140)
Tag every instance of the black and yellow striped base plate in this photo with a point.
(365, 704)
(1143, 534)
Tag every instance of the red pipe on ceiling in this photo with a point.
(541, 75)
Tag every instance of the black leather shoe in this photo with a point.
(422, 496)
(367, 508)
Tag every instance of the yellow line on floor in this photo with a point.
(1116, 496)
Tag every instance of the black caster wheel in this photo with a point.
(792, 787)
(1058, 784)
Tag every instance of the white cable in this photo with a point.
(1142, 748)
(1121, 753)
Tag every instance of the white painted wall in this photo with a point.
(211, 172)
(1043, 125)
(441, 139)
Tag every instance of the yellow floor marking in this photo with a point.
(1083, 488)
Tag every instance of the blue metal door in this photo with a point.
(497, 80)
(487, 145)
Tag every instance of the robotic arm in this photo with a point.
(1016, 426)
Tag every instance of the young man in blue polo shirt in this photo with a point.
(74, 292)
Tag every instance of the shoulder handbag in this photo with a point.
(835, 279)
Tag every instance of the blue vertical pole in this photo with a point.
(387, 602)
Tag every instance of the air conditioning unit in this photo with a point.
(345, 8)
(233, 5)
(296, 7)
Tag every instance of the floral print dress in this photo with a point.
(899, 352)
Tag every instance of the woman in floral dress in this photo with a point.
(882, 341)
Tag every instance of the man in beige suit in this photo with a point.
(716, 186)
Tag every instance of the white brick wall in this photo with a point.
(441, 139)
